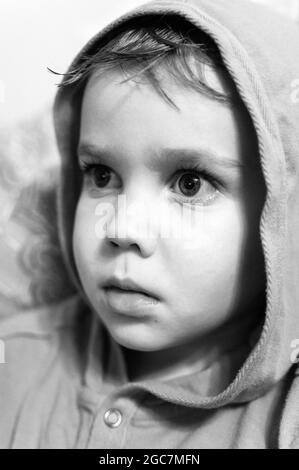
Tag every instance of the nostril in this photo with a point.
(123, 242)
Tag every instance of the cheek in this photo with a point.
(217, 233)
(210, 255)
(84, 240)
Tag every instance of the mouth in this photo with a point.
(128, 286)
(129, 300)
(126, 291)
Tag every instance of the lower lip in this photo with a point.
(129, 302)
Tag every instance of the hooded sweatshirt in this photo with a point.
(65, 382)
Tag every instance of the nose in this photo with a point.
(133, 226)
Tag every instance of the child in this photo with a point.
(177, 117)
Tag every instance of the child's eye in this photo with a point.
(196, 186)
(99, 175)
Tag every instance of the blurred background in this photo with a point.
(34, 35)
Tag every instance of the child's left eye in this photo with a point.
(196, 186)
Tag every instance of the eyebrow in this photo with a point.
(166, 156)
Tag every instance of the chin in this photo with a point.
(137, 342)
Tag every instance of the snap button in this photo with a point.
(113, 417)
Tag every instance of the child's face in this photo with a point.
(210, 273)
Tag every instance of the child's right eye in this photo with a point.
(98, 175)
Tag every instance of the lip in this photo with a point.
(129, 286)
(128, 298)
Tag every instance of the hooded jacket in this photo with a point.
(65, 385)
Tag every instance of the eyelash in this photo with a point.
(87, 168)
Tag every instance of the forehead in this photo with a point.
(132, 118)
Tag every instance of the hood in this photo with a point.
(265, 70)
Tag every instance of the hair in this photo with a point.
(167, 43)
